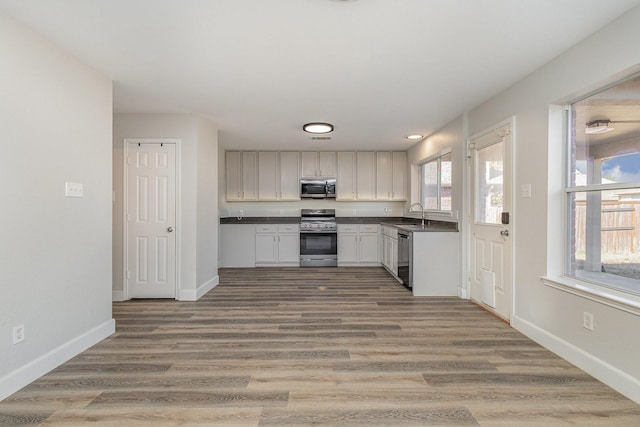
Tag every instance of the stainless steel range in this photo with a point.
(318, 238)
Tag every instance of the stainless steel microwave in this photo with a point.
(321, 188)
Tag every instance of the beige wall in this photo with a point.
(55, 252)
(553, 317)
(198, 202)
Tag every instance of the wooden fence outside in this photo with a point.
(620, 226)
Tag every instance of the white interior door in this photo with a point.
(151, 220)
(490, 227)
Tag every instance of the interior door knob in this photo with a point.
(504, 233)
(169, 229)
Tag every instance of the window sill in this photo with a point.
(619, 300)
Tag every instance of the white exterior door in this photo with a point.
(490, 247)
(151, 220)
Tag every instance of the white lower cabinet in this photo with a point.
(358, 244)
(390, 249)
(277, 244)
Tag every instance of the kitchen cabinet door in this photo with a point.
(365, 175)
(368, 246)
(346, 177)
(399, 169)
(288, 248)
(309, 164)
(289, 175)
(249, 175)
(327, 164)
(233, 165)
(383, 175)
(347, 247)
(266, 248)
(267, 175)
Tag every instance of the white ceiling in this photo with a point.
(259, 69)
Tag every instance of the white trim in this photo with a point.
(125, 254)
(117, 296)
(608, 374)
(600, 294)
(33, 370)
(191, 295)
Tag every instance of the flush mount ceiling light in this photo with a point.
(318, 127)
(414, 137)
(597, 127)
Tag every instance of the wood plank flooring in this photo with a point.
(315, 346)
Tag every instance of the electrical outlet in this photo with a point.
(587, 320)
(18, 334)
(73, 189)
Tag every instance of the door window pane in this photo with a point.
(489, 171)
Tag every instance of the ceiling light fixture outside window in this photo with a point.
(318, 127)
(598, 126)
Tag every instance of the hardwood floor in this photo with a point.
(315, 346)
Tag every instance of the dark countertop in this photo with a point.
(261, 220)
(430, 226)
(397, 222)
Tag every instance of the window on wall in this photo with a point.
(603, 188)
(435, 189)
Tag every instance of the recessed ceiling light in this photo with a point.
(414, 137)
(318, 127)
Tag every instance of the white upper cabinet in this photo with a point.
(391, 175)
(346, 176)
(365, 175)
(249, 175)
(274, 176)
(383, 175)
(268, 177)
(289, 175)
(318, 164)
(327, 164)
(233, 169)
(399, 175)
(278, 175)
(241, 175)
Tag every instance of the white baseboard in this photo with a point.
(195, 295)
(33, 370)
(117, 296)
(610, 375)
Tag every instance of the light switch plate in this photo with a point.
(73, 189)
(525, 190)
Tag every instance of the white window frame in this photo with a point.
(557, 276)
(438, 159)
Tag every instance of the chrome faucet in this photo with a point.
(421, 208)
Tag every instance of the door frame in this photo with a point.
(471, 193)
(125, 192)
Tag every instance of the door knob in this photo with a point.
(169, 229)
(504, 233)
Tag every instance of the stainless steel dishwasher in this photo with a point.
(405, 257)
